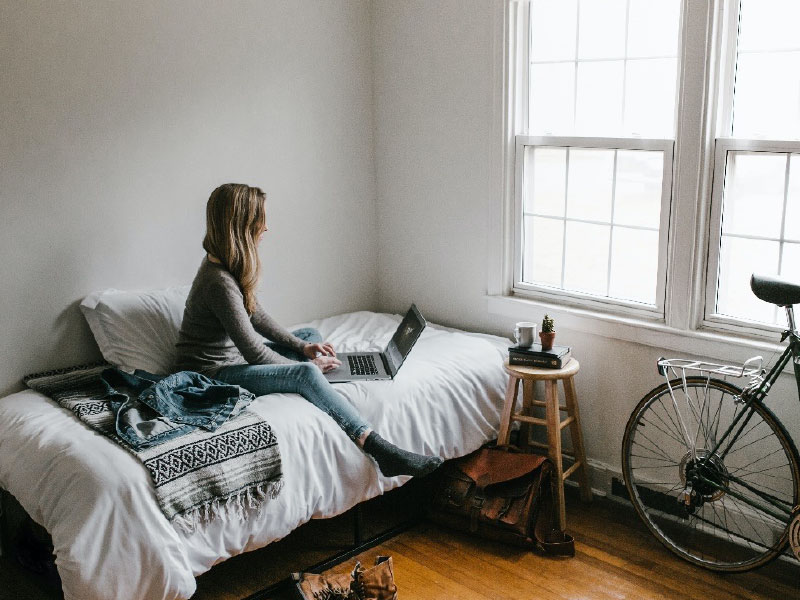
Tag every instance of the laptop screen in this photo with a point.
(406, 335)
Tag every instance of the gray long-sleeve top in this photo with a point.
(217, 331)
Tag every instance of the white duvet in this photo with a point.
(97, 501)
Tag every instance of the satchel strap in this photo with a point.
(563, 548)
(550, 539)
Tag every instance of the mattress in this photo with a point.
(97, 501)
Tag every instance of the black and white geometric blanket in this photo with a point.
(197, 476)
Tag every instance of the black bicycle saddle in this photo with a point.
(775, 290)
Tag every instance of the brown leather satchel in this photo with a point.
(502, 494)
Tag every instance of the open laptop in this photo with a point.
(361, 366)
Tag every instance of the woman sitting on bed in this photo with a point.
(223, 325)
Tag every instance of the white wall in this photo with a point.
(119, 118)
(434, 155)
(437, 142)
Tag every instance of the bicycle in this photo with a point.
(709, 468)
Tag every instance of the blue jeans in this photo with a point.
(303, 378)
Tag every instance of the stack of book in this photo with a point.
(534, 356)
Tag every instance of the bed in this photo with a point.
(97, 501)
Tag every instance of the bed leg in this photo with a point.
(358, 525)
(3, 523)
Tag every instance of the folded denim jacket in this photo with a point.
(151, 409)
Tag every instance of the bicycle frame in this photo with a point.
(774, 506)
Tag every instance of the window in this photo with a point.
(656, 157)
(594, 162)
(756, 197)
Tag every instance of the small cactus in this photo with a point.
(548, 324)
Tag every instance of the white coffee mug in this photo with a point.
(525, 333)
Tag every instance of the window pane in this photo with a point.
(544, 243)
(790, 264)
(653, 27)
(602, 29)
(650, 97)
(768, 25)
(599, 98)
(739, 259)
(553, 29)
(637, 200)
(591, 175)
(767, 96)
(792, 231)
(586, 259)
(753, 202)
(552, 98)
(613, 37)
(545, 176)
(634, 264)
(766, 99)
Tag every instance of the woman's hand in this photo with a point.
(326, 363)
(313, 350)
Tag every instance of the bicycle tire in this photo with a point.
(707, 525)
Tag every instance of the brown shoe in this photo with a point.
(375, 583)
(321, 587)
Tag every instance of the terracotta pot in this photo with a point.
(547, 338)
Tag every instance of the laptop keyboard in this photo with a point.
(362, 364)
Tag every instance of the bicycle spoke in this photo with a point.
(716, 420)
(764, 471)
(745, 434)
(759, 493)
(703, 411)
(763, 457)
(677, 439)
(726, 529)
(749, 522)
(654, 446)
(669, 462)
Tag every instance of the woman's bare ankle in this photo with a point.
(363, 437)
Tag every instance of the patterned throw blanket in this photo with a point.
(197, 476)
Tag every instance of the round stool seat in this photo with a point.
(540, 373)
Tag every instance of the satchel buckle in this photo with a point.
(477, 503)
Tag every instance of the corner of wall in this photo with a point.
(373, 59)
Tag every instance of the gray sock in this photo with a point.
(395, 461)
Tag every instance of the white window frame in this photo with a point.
(721, 149)
(701, 46)
(540, 291)
(722, 144)
(515, 111)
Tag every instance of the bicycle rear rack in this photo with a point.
(752, 367)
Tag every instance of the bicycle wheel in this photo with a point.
(732, 518)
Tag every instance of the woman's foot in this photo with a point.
(394, 461)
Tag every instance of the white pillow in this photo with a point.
(137, 330)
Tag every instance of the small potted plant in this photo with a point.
(548, 332)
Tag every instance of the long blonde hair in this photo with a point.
(235, 218)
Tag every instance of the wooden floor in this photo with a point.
(615, 558)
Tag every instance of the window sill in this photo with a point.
(651, 333)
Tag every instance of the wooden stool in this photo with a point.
(552, 420)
